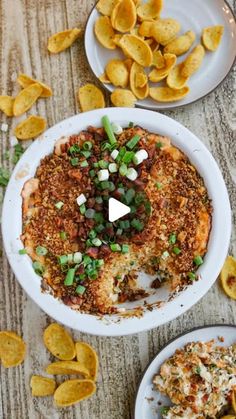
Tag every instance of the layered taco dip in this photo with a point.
(92, 264)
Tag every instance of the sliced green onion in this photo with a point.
(123, 169)
(133, 142)
(125, 248)
(74, 149)
(77, 257)
(172, 238)
(99, 228)
(108, 128)
(87, 145)
(159, 145)
(159, 185)
(38, 268)
(22, 252)
(111, 186)
(96, 242)
(121, 154)
(82, 277)
(69, 279)
(116, 128)
(124, 224)
(121, 191)
(131, 124)
(131, 174)
(63, 259)
(130, 194)
(82, 209)
(41, 251)
(59, 205)
(92, 173)
(105, 146)
(192, 276)
(81, 199)
(99, 262)
(89, 213)
(84, 163)
(103, 164)
(165, 255)
(139, 198)
(115, 247)
(63, 235)
(198, 260)
(176, 250)
(140, 156)
(105, 184)
(86, 260)
(80, 289)
(70, 258)
(137, 224)
(128, 157)
(74, 161)
(113, 168)
(92, 234)
(114, 154)
(98, 217)
(99, 199)
(96, 165)
(103, 175)
(86, 153)
(119, 232)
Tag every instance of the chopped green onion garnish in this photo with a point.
(96, 242)
(82, 277)
(98, 217)
(121, 154)
(103, 164)
(74, 149)
(192, 276)
(70, 258)
(133, 142)
(131, 124)
(41, 251)
(99, 262)
(176, 250)
(82, 209)
(63, 259)
(121, 191)
(159, 185)
(172, 238)
(115, 247)
(92, 173)
(80, 289)
(165, 255)
(77, 257)
(84, 163)
(74, 161)
(112, 167)
(137, 224)
(99, 228)
(128, 157)
(86, 153)
(119, 232)
(198, 260)
(108, 128)
(99, 199)
(96, 165)
(59, 205)
(87, 145)
(159, 144)
(125, 248)
(63, 235)
(139, 198)
(22, 252)
(92, 234)
(105, 184)
(89, 213)
(70, 277)
(130, 194)
(105, 146)
(86, 260)
(38, 268)
(111, 186)
(123, 169)
(124, 224)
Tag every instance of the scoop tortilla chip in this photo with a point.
(104, 79)
(123, 16)
(175, 80)
(42, 386)
(26, 81)
(165, 94)
(105, 7)
(181, 45)
(105, 32)
(228, 277)
(150, 10)
(137, 49)
(63, 40)
(26, 98)
(211, 37)
(159, 74)
(87, 358)
(158, 60)
(117, 73)
(128, 62)
(67, 368)
(31, 127)
(145, 28)
(73, 391)
(193, 62)
(123, 98)
(90, 97)
(139, 92)
(58, 341)
(165, 30)
(6, 105)
(140, 79)
(12, 349)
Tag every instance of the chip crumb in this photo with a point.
(4, 127)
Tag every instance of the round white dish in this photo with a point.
(194, 15)
(148, 401)
(116, 325)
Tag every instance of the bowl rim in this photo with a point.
(218, 245)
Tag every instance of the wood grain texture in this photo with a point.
(24, 28)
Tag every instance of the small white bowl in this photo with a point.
(116, 325)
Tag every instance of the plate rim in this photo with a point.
(157, 108)
(132, 325)
(186, 332)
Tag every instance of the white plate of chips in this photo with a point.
(192, 16)
(150, 402)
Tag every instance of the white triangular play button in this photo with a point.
(116, 209)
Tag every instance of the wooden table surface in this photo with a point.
(25, 26)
